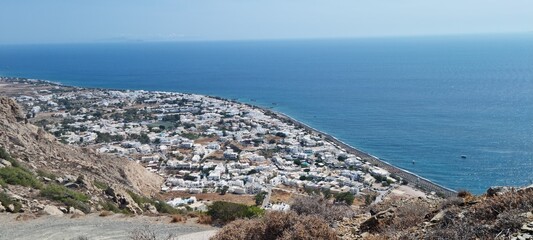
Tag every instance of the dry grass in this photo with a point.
(105, 213)
(277, 225)
(178, 218)
(321, 207)
(204, 219)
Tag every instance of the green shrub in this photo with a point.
(260, 197)
(19, 176)
(345, 197)
(100, 185)
(109, 206)
(59, 193)
(42, 173)
(5, 155)
(226, 211)
(2, 183)
(140, 200)
(161, 206)
(66, 196)
(5, 200)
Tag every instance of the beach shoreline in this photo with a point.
(413, 179)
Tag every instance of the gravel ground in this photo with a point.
(95, 227)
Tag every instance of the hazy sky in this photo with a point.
(52, 21)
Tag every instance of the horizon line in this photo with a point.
(184, 40)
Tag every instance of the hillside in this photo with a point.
(37, 170)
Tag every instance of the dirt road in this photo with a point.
(95, 227)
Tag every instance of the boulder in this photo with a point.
(123, 199)
(72, 185)
(151, 208)
(498, 190)
(6, 163)
(2, 165)
(527, 227)
(74, 211)
(11, 208)
(52, 210)
(370, 224)
(63, 209)
(438, 217)
(2, 208)
(70, 178)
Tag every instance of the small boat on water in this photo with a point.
(463, 156)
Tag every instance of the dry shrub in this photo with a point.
(277, 225)
(204, 219)
(178, 218)
(491, 207)
(460, 230)
(464, 194)
(410, 215)
(318, 205)
(452, 201)
(509, 223)
(105, 213)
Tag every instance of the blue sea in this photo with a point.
(423, 99)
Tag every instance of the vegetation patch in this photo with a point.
(161, 206)
(277, 225)
(5, 200)
(19, 176)
(66, 196)
(100, 185)
(112, 207)
(225, 212)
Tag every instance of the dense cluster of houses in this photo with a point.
(200, 144)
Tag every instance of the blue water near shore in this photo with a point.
(429, 99)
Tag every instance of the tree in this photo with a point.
(260, 197)
(346, 197)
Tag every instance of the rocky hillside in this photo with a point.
(36, 170)
(501, 213)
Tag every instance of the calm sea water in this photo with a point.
(430, 100)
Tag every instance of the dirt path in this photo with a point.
(95, 227)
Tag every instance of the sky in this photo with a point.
(71, 21)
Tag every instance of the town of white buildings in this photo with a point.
(200, 144)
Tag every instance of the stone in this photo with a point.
(527, 227)
(2, 208)
(47, 179)
(11, 208)
(2, 165)
(78, 212)
(63, 209)
(370, 224)
(150, 208)
(72, 185)
(498, 190)
(70, 178)
(52, 210)
(60, 180)
(438, 217)
(6, 163)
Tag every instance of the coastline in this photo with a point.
(414, 180)
(419, 182)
